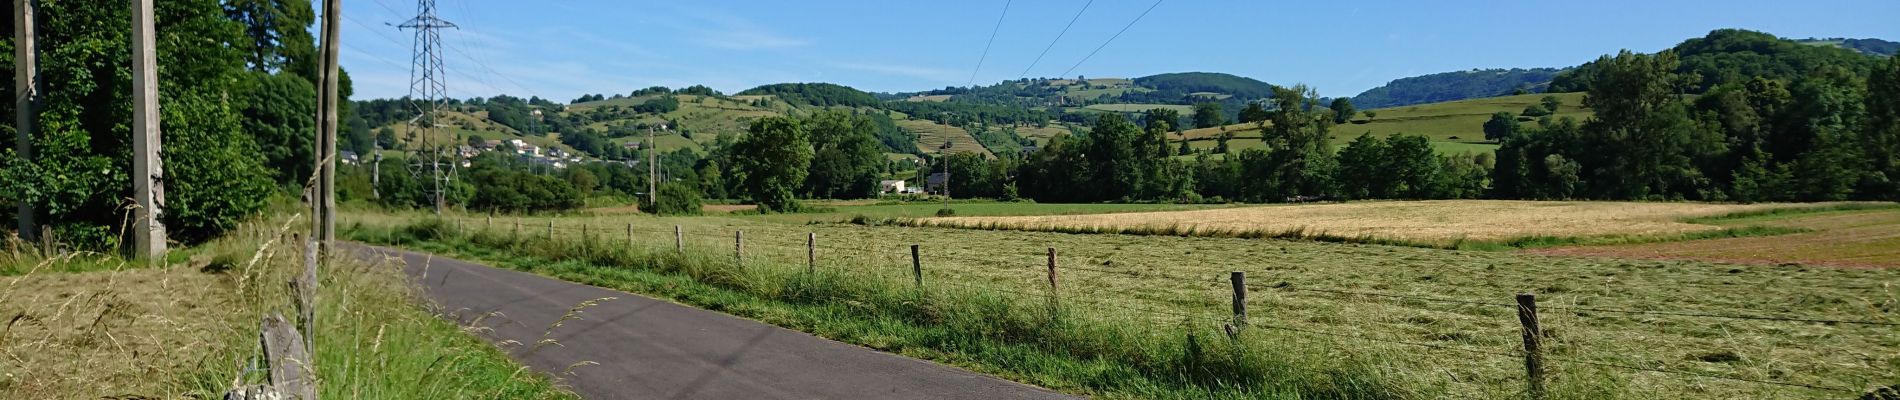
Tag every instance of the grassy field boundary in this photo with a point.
(1066, 346)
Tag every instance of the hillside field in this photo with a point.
(1453, 127)
(932, 135)
(1439, 323)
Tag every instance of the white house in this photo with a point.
(890, 186)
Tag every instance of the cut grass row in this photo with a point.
(1307, 285)
(1450, 224)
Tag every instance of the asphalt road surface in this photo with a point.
(653, 349)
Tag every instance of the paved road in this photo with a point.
(651, 349)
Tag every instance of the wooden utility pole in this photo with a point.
(325, 197)
(148, 171)
(26, 97)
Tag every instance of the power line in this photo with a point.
(492, 71)
(986, 45)
(1052, 43)
(1111, 39)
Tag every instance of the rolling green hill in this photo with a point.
(1456, 85)
(1453, 127)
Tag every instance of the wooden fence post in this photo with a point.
(1239, 279)
(489, 225)
(1533, 343)
(811, 252)
(585, 246)
(550, 229)
(679, 239)
(46, 240)
(517, 234)
(916, 266)
(738, 248)
(1052, 281)
(629, 235)
(292, 371)
(306, 288)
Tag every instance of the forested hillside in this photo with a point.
(1456, 85)
(1736, 56)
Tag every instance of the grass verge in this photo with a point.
(1065, 346)
(88, 325)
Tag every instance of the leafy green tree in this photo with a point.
(1502, 125)
(771, 162)
(1254, 112)
(1208, 115)
(386, 138)
(80, 173)
(476, 140)
(1058, 171)
(1411, 167)
(588, 141)
(1112, 152)
(1641, 133)
(847, 157)
(1880, 133)
(1298, 160)
(1359, 174)
(1342, 110)
(277, 34)
(1535, 110)
(676, 199)
(278, 110)
(1551, 103)
(583, 180)
(1370, 115)
(358, 137)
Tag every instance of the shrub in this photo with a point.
(675, 199)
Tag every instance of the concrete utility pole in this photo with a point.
(148, 171)
(26, 98)
(653, 198)
(325, 200)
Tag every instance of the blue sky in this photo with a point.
(561, 49)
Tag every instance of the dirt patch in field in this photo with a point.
(615, 210)
(109, 334)
(728, 208)
(1863, 239)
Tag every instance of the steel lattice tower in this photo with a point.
(427, 92)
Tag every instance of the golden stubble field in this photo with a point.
(1434, 222)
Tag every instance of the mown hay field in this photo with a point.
(1848, 238)
(1436, 222)
(1440, 323)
